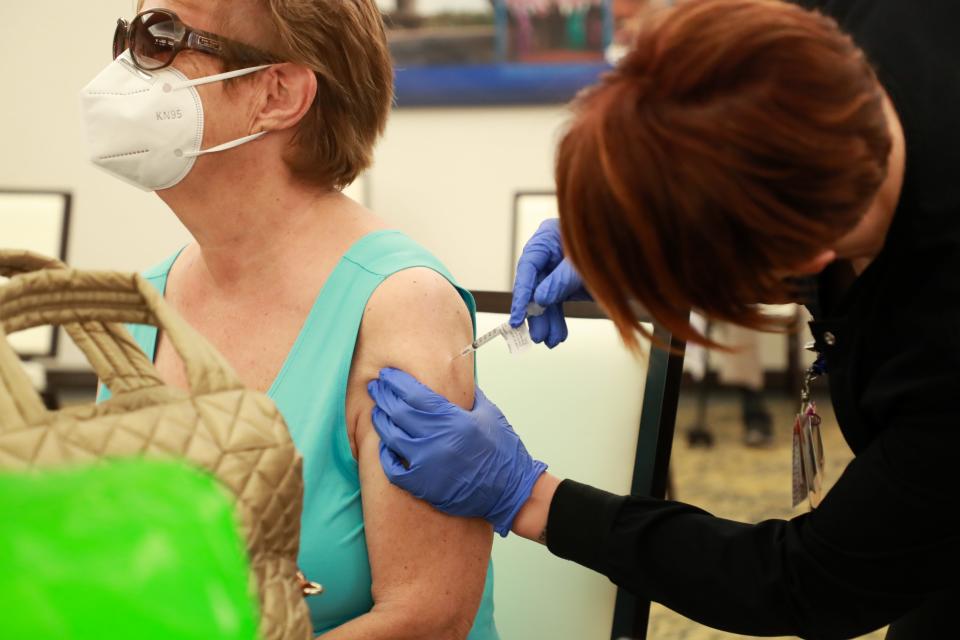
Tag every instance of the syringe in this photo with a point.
(515, 337)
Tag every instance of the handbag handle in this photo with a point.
(125, 370)
(96, 301)
(14, 262)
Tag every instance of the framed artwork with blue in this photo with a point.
(501, 52)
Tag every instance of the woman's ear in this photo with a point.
(289, 93)
(816, 264)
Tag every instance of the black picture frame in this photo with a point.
(63, 247)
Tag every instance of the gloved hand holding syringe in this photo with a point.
(518, 339)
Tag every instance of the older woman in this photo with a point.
(247, 117)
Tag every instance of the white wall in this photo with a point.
(448, 178)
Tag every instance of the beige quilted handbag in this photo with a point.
(236, 434)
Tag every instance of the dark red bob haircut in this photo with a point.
(735, 140)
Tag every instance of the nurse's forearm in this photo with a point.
(531, 520)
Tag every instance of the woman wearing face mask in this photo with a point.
(249, 138)
(738, 143)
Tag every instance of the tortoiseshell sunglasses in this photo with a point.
(155, 37)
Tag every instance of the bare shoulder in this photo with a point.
(415, 317)
(416, 321)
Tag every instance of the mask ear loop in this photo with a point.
(221, 147)
(220, 77)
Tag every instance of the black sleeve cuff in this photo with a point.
(580, 521)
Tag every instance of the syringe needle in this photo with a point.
(505, 329)
(482, 340)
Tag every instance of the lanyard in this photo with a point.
(808, 459)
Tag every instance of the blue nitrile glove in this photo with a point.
(544, 276)
(466, 463)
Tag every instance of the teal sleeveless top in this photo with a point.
(310, 392)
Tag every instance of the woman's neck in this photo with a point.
(251, 232)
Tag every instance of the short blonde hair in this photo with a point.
(344, 42)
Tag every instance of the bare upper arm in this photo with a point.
(424, 563)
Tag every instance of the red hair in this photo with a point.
(737, 139)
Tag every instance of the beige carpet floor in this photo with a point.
(736, 482)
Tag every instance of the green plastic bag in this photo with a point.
(126, 549)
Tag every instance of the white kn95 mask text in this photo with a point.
(146, 127)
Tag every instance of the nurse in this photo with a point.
(741, 145)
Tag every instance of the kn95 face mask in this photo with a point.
(146, 127)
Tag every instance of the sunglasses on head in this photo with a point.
(155, 37)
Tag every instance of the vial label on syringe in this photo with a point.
(518, 340)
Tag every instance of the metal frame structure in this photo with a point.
(657, 420)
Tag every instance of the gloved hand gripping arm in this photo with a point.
(466, 463)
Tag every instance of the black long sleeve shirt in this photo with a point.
(887, 536)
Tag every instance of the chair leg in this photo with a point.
(699, 434)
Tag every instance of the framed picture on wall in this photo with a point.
(499, 52)
(38, 221)
(530, 209)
